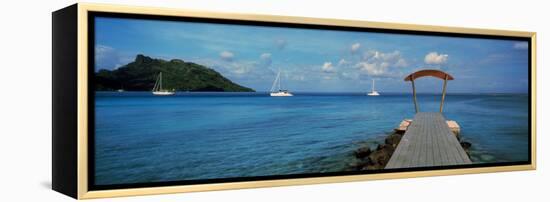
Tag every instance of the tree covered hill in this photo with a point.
(141, 74)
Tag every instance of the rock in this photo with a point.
(393, 139)
(362, 152)
(379, 147)
(465, 145)
(360, 165)
(374, 167)
(388, 148)
(382, 155)
(403, 126)
(455, 128)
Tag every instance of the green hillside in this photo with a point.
(140, 75)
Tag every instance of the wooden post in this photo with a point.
(443, 96)
(414, 95)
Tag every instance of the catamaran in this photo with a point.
(373, 92)
(157, 89)
(280, 92)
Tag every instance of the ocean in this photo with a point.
(142, 138)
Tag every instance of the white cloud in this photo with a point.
(355, 47)
(242, 69)
(281, 44)
(328, 68)
(239, 70)
(265, 56)
(434, 58)
(107, 57)
(298, 78)
(265, 59)
(374, 69)
(380, 64)
(521, 45)
(392, 57)
(401, 63)
(227, 56)
(102, 49)
(349, 75)
(493, 58)
(343, 62)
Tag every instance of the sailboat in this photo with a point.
(280, 92)
(157, 89)
(373, 92)
(121, 89)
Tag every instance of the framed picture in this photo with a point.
(152, 100)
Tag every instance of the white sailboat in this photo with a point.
(373, 92)
(157, 89)
(280, 92)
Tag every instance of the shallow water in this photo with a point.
(145, 138)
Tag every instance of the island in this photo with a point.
(178, 75)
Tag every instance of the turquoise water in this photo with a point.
(145, 138)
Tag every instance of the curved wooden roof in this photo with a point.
(428, 72)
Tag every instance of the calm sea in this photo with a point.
(145, 138)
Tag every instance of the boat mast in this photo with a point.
(156, 84)
(279, 79)
(275, 82)
(372, 85)
(160, 87)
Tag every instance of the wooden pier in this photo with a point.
(428, 141)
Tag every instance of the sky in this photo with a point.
(312, 60)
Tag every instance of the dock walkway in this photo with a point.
(428, 142)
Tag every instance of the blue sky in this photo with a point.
(318, 60)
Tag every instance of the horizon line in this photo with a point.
(342, 92)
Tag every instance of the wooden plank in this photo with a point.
(441, 151)
(453, 155)
(448, 156)
(428, 142)
(421, 159)
(460, 155)
(437, 150)
(413, 149)
(403, 148)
